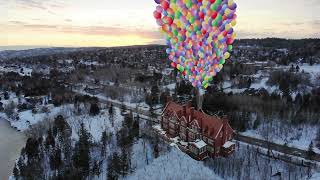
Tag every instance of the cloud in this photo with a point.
(32, 4)
(46, 5)
(111, 31)
(87, 30)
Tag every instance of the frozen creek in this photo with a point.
(11, 143)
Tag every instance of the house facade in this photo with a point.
(199, 134)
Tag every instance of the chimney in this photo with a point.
(185, 111)
(189, 104)
(225, 119)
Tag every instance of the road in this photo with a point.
(246, 139)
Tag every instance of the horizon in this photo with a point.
(29, 47)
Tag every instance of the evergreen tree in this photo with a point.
(49, 139)
(16, 172)
(56, 159)
(94, 109)
(284, 86)
(124, 162)
(136, 128)
(104, 140)
(111, 114)
(81, 156)
(155, 94)
(113, 167)
(96, 168)
(310, 152)
(318, 138)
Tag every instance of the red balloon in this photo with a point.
(214, 15)
(157, 15)
(212, 1)
(169, 20)
(165, 5)
(204, 31)
(225, 33)
(229, 41)
(201, 15)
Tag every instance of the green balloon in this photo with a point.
(178, 14)
(175, 32)
(230, 47)
(214, 7)
(215, 23)
(189, 4)
(192, 19)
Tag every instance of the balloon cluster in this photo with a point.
(199, 34)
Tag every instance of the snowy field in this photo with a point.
(174, 165)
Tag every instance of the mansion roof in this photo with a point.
(209, 125)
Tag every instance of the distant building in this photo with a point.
(200, 135)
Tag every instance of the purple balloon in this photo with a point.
(157, 1)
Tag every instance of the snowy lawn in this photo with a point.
(174, 165)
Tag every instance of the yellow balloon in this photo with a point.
(226, 55)
(230, 2)
(234, 35)
(227, 12)
(233, 22)
(228, 26)
(189, 16)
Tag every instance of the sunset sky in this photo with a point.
(130, 22)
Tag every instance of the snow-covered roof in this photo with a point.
(228, 144)
(200, 144)
(183, 143)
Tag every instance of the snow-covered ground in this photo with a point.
(248, 163)
(97, 124)
(27, 118)
(314, 71)
(21, 71)
(299, 136)
(174, 165)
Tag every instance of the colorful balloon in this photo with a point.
(199, 34)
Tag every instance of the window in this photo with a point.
(193, 149)
(182, 129)
(192, 135)
(171, 125)
(202, 150)
(209, 148)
